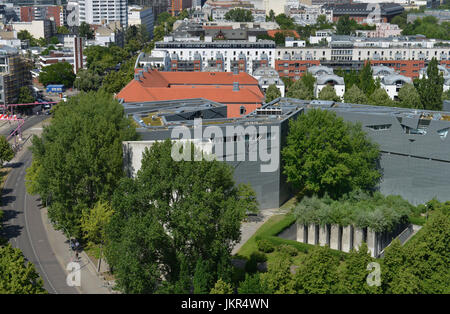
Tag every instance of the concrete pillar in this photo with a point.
(334, 237)
(312, 234)
(371, 242)
(323, 234)
(301, 233)
(357, 238)
(346, 238)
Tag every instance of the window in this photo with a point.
(379, 127)
(242, 110)
(442, 133)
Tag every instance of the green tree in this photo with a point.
(318, 274)
(409, 97)
(303, 88)
(278, 278)
(285, 21)
(271, 16)
(25, 95)
(58, 73)
(353, 273)
(80, 159)
(239, 15)
(17, 276)
(222, 287)
(54, 40)
(326, 154)
(355, 96)
(380, 98)
(6, 152)
(329, 93)
(252, 285)
(272, 93)
(203, 279)
(190, 208)
(345, 25)
(42, 42)
(366, 80)
(62, 30)
(87, 80)
(93, 224)
(25, 35)
(84, 30)
(430, 88)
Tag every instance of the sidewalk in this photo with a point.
(91, 283)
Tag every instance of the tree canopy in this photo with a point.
(329, 93)
(430, 87)
(78, 159)
(175, 220)
(324, 154)
(239, 15)
(272, 93)
(17, 276)
(58, 73)
(6, 152)
(355, 96)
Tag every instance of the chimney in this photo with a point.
(235, 86)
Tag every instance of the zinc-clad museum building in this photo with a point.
(414, 144)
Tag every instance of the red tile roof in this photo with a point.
(156, 78)
(272, 32)
(214, 86)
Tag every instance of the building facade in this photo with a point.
(100, 12)
(14, 73)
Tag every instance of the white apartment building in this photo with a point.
(233, 51)
(37, 28)
(393, 83)
(103, 11)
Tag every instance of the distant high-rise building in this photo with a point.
(40, 12)
(158, 6)
(176, 6)
(103, 12)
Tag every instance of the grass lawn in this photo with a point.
(250, 246)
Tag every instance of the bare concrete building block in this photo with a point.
(334, 237)
(358, 238)
(346, 238)
(371, 242)
(323, 235)
(301, 236)
(312, 234)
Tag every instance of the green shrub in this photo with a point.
(251, 267)
(259, 257)
(290, 250)
(265, 246)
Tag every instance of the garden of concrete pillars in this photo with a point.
(338, 237)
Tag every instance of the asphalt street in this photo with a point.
(30, 122)
(23, 226)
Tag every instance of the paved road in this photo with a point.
(30, 122)
(24, 229)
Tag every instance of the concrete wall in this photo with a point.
(346, 238)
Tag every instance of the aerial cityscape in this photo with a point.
(225, 147)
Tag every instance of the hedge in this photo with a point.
(272, 233)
